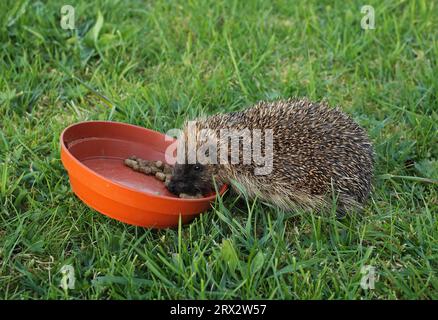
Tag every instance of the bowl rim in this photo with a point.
(149, 194)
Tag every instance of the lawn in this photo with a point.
(157, 63)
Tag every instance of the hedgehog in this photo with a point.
(319, 156)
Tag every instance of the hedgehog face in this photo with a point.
(191, 179)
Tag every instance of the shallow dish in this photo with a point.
(93, 154)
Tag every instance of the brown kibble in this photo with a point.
(154, 170)
(159, 164)
(167, 169)
(146, 170)
(130, 162)
(160, 176)
(143, 163)
(132, 158)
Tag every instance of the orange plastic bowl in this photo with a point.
(93, 154)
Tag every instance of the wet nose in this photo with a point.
(172, 187)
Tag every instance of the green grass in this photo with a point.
(159, 63)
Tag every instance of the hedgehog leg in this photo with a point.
(346, 203)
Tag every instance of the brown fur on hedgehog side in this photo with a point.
(318, 153)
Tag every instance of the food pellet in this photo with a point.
(159, 164)
(130, 162)
(143, 163)
(167, 169)
(146, 170)
(160, 176)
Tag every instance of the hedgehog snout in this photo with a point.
(177, 186)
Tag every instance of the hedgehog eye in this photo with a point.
(197, 167)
